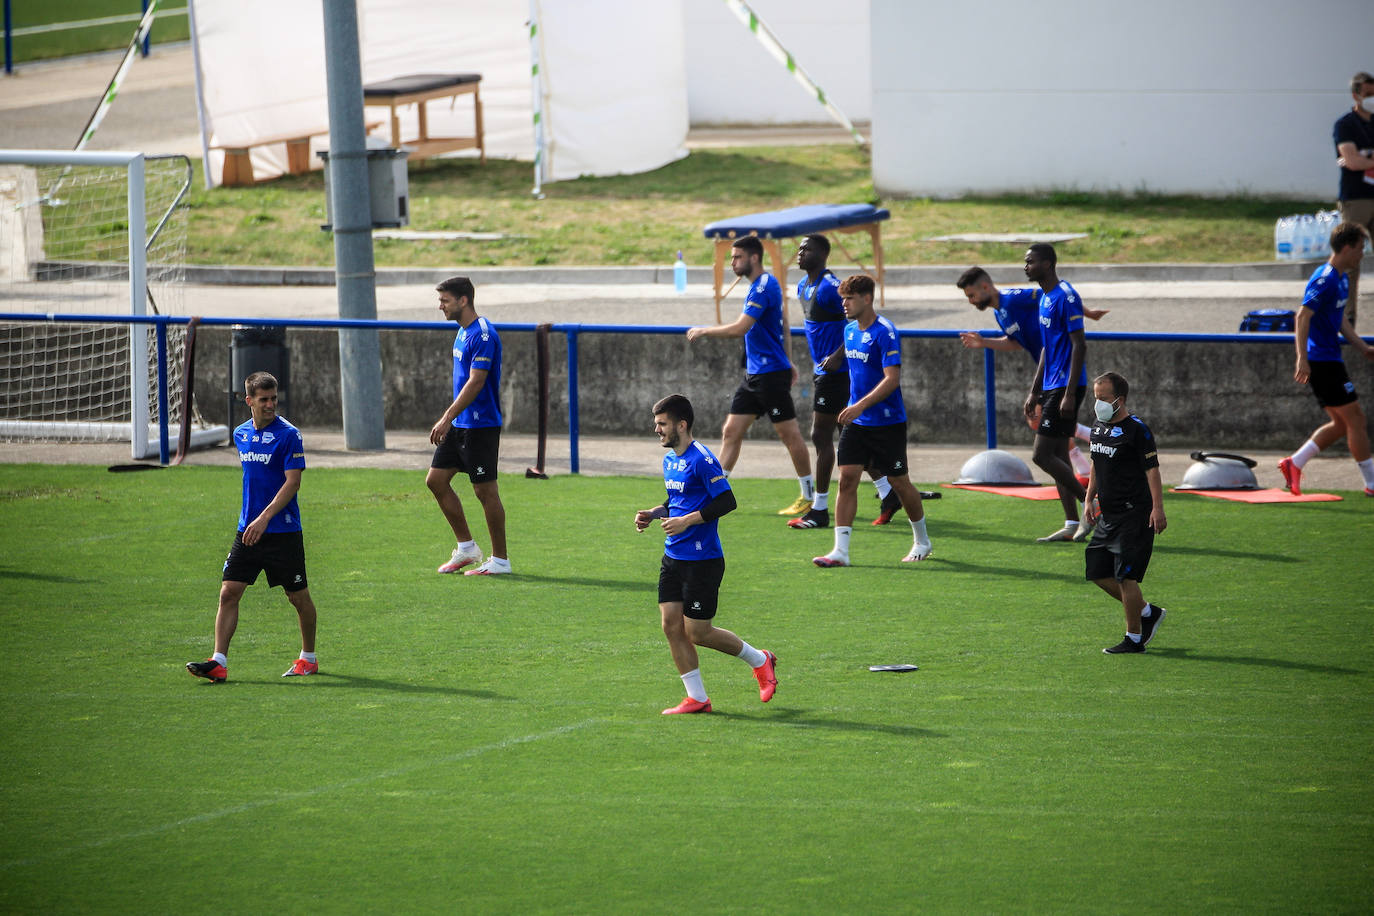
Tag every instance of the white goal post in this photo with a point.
(82, 233)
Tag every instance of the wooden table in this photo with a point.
(419, 90)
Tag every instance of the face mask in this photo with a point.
(1104, 410)
(1367, 103)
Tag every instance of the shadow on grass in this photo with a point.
(8, 573)
(797, 718)
(620, 585)
(331, 680)
(938, 562)
(1187, 655)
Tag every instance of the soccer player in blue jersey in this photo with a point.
(468, 436)
(693, 562)
(269, 532)
(874, 422)
(1017, 312)
(1061, 381)
(1125, 508)
(1320, 325)
(819, 295)
(769, 373)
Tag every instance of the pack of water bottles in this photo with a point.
(1305, 237)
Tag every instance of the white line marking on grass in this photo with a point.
(307, 793)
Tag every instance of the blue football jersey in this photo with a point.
(477, 346)
(1061, 313)
(868, 352)
(764, 349)
(1018, 315)
(824, 308)
(266, 455)
(1326, 295)
(693, 479)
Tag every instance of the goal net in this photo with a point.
(92, 234)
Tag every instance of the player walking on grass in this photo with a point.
(769, 373)
(1320, 326)
(468, 436)
(1017, 312)
(874, 433)
(1125, 506)
(269, 534)
(819, 295)
(693, 561)
(1061, 380)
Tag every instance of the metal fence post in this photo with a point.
(990, 396)
(163, 452)
(572, 399)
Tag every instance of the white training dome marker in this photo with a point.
(1217, 471)
(995, 467)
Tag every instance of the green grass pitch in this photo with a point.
(495, 745)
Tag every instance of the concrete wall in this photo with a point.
(1217, 97)
(731, 79)
(1193, 395)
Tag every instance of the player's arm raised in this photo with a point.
(737, 328)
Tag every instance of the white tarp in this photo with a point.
(614, 71)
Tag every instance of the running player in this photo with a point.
(1321, 324)
(1061, 380)
(693, 561)
(468, 436)
(769, 373)
(819, 294)
(1126, 506)
(269, 533)
(1017, 312)
(874, 433)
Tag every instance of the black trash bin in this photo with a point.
(258, 348)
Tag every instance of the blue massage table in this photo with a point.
(793, 223)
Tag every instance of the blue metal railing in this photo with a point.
(573, 331)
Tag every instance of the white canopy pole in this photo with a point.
(537, 99)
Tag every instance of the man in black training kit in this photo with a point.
(693, 562)
(1125, 502)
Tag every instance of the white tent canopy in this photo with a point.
(613, 71)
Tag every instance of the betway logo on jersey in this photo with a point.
(1101, 449)
(259, 457)
(1044, 321)
(860, 355)
(678, 485)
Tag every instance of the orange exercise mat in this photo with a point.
(1265, 496)
(1035, 492)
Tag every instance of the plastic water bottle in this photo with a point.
(1307, 236)
(680, 274)
(1283, 238)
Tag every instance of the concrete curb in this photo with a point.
(909, 275)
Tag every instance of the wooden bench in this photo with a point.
(238, 164)
(418, 90)
(798, 221)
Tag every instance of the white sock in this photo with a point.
(1079, 461)
(692, 681)
(1367, 469)
(842, 533)
(754, 657)
(1083, 432)
(1147, 611)
(308, 656)
(918, 531)
(1305, 454)
(1133, 637)
(808, 486)
(820, 502)
(466, 545)
(221, 658)
(1070, 523)
(883, 486)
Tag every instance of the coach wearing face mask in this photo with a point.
(1354, 136)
